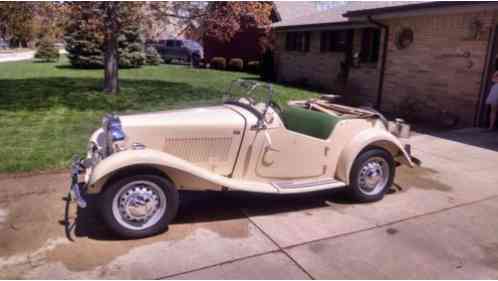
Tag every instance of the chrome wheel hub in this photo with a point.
(139, 204)
(373, 176)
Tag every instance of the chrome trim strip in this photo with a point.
(303, 184)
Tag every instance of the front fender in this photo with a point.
(371, 137)
(165, 162)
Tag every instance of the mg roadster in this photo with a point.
(138, 163)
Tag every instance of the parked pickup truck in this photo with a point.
(180, 49)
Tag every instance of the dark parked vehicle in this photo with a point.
(180, 49)
(3, 44)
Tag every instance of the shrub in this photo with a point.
(219, 63)
(253, 67)
(46, 51)
(152, 57)
(236, 64)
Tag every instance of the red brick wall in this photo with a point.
(440, 68)
(440, 71)
(314, 68)
(244, 45)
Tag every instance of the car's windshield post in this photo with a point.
(249, 93)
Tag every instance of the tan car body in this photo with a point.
(222, 147)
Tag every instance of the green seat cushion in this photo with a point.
(308, 122)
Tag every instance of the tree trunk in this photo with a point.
(111, 57)
(111, 74)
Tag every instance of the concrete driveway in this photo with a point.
(439, 221)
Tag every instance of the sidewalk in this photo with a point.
(439, 222)
(7, 57)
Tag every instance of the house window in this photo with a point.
(298, 41)
(370, 45)
(333, 41)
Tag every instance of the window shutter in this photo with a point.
(307, 38)
(288, 43)
(323, 47)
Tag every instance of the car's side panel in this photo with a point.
(185, 173)
(290, 155)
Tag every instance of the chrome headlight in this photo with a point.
(112, 125)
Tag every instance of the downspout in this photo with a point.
(383, 60)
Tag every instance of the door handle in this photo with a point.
(269, 148)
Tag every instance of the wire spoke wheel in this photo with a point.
(371, 175)
(139, 205)
(374, 175)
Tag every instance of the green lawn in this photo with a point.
(48, 110)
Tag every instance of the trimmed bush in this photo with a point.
(219, 63)
(253, 67)
(236, 64)
(152, 57)
(46, 51)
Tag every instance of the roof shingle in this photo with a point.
(335, 14)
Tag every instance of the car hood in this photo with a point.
(178, 131)
(194, 117)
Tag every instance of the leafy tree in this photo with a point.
(93, 26)
(108, 34)
(224, 19)
(160, 15)
(24, 22)
(17, 22)
(84, 38)
(46, 50)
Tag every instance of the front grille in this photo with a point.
(205, 149)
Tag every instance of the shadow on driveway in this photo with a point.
(212, 206)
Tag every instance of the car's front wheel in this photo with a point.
(372, 175)
(139, 206)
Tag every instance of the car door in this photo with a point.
(290, 155)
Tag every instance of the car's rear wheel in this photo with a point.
(139, 206)
(371, 175)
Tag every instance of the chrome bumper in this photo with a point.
(415, 160)
(77, 168)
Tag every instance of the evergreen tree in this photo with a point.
(152, 56)
(131, 47)
(46, 50)
(84, 36)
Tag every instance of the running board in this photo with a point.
(307, 185)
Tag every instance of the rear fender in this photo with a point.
(370, 138)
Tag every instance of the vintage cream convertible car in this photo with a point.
(138, 163)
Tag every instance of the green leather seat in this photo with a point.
(308, 122)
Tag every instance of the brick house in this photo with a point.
(247, 43)
(425, 60)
